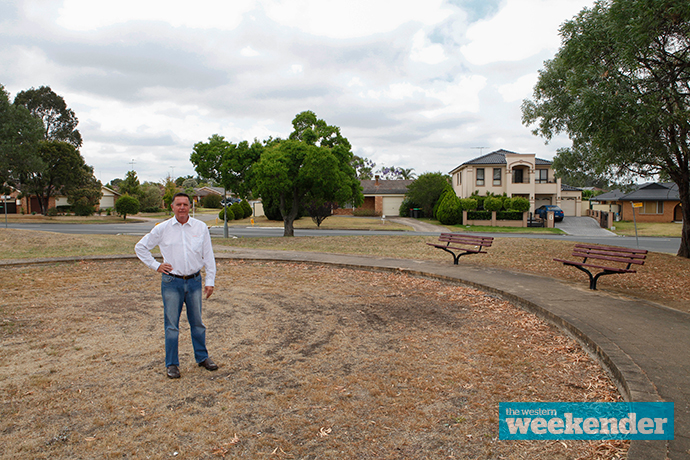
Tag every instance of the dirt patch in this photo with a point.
(315, 362)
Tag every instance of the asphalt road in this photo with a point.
(667, 245)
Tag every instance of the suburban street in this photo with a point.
(579, 229)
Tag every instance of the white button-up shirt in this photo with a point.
(187, 247)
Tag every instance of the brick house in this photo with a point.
(660, 203)
(381, 197)
(516, 174)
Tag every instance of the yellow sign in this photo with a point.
(637, 205)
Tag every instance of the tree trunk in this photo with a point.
(684, 195)
(289, 217)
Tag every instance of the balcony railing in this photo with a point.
(524, 180)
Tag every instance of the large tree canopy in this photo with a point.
(59, 121)
(65, 171)
(19, 137)
(313, 167)
(226, 163)
(620, 88)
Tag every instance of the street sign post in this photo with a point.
(636, 205)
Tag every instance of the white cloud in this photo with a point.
(426, 52)
(520, 89)
(203, 14)
(248, 51)
(354, 18)
(522, 28)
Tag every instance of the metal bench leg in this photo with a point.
(455, 257)
(592, 279)
(593, 283)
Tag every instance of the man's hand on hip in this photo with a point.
(165, 268)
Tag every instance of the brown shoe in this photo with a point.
(208, 364)
(173, 372)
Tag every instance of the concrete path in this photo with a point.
(582, 226)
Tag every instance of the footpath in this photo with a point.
(644, 346)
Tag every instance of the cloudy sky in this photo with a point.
(415, 84)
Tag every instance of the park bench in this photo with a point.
(607, 255)
(465, 244)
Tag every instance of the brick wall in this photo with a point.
(667, 216)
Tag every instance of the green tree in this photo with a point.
(169, 190)
(211, 201)
(64, 169)
(126, 205)
(130, 185)
(226, 163)
(427, 189)
(20, 134)
(151, 197)
(84, 192)
(364, 167)
(449, 211)
(313, 165)
(59, 121)
(620, 88)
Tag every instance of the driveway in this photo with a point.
(582, 226)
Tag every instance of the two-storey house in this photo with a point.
(516, 174)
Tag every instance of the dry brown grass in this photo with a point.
(663, 278)
(28, 244)
(316, 362)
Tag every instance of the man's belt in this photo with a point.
(185, 277)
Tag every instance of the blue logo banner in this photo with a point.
(578, 420)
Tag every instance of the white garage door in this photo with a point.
(391, 205)
(568, 205)
(541, 201)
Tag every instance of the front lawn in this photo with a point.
(669, 230)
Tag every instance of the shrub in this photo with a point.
(238, 211)
(231, 215)
(248, 211)
(126, 205)
(509, 215)
(83, 208)
(493, 204)
(152, 209)
(405, 207)
(479, 215)
(52, 212)
(519, 203)
(211, 201)
(364, 212)
(468, 204)
(449, 211)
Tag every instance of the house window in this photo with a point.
(480, 176)
(459, 179)
(542, 176)
(652, 207)
(497, 176)
(518, 176)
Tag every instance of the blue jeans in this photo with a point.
(175, 292)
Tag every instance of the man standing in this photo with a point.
(185, 244)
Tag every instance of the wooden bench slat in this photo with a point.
(623, 260)
(477, 243)
(612, 248)
(605, 253)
